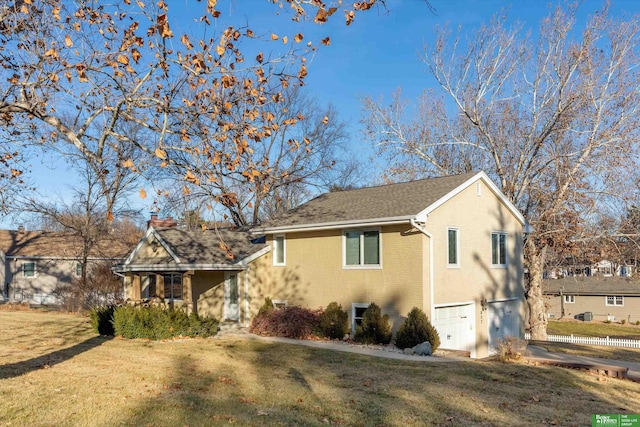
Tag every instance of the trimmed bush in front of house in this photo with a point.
(158, 323)
(102, 319)
(334, 322)
(374, 328)
(415, 330)
(289, 322)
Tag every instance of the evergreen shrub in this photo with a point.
(375, 327)
(158, 323)
(102, 319)
(415, 330)
(334, 322)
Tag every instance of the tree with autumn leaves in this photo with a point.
(82, 74)
(553, 120)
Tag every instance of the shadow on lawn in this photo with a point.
(48, 360)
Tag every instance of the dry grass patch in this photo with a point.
(55, 371)
(602, 352)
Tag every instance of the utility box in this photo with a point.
(588, 316)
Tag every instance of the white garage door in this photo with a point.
(503, 322)
(455, 327)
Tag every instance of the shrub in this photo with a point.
(637, 322)
(511, 349)
(102, 319)
(334, 321)
(289, 322)
(375, 328)
(415, 330)
(157, 323)
(623, 321)
(267, 307)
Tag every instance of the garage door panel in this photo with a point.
(503, 322)
(455, 327)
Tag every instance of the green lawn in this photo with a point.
(55, 371)
(593, 329)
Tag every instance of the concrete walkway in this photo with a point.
(542, 355)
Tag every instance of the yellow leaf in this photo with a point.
(143, 194)
(326, 41)
(160, 153)
(274, 37)
(123, 59)
(325, 120)
(109, 216)
(285, 39)
(260, 58)
(68, 41)
(298, 38)
(128, 163)
(220, 50)
(212, 3)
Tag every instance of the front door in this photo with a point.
(231, 297)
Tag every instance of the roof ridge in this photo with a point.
(411, 181)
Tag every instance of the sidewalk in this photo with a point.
(541, 355)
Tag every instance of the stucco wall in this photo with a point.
(208, 293)
(630, 311)
(314, 274)
(40, 289)
(476, 217)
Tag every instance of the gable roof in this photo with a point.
(384, 204)
(199, 249)
(45, 244)
(594, 285)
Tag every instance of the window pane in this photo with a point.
(177, 286)
(609, 300)
(29, 269)
(233, 289)
(619, 300)
(494, 249)
(151, 286)
(279, 245)
(503, 248)
(352, 248)
(453, 247)
(167, 286)
(371, 247)
(79, 269)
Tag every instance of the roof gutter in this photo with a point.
(177, 267)
(424, 231)
(296, 228)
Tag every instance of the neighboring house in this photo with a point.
(603, 298)
(451, 246)
(603, 268)
(35, 265)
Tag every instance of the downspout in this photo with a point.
(246, 296)
(421, 229)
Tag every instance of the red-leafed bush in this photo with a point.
(289, 322)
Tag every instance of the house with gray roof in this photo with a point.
(598, 298)
(37, 266)
(451, 246)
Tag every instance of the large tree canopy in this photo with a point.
(554, 120)
(82, 74)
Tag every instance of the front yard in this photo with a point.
(55, 371)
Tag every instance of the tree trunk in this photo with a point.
(535, 301)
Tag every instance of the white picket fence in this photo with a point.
(609, 342)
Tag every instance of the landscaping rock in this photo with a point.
(408, 351)
(423, 349)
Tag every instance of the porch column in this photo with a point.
(160, 286)
(135, 287)
(187, 291)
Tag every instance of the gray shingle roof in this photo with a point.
(385, 201)
(57, 245)
(198, 247)
(595, 285)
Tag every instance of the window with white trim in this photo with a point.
(569, 299)
(279, 248)
(361, 248)
(453, 247)
(615, 300)
(279, 303)
(499, 249)
(78, 269)
(149, 286)
(172, 285)
(357, 311)
(29, 269)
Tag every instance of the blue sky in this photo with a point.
(377, 54)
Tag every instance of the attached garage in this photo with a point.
(454, 324)
(504, 321)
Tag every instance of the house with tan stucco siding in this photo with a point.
(451, 246)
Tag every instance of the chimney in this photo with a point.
(167, 222)
(21, 229)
